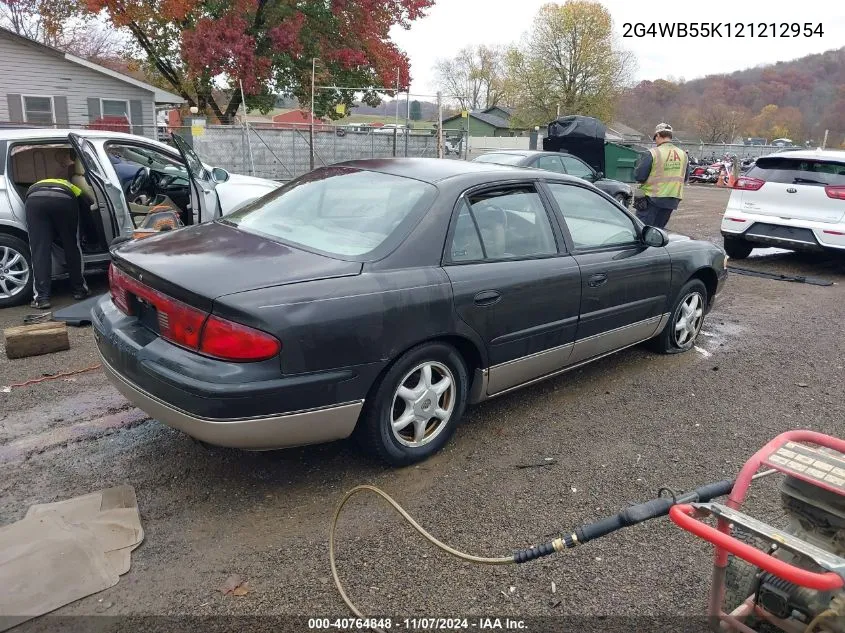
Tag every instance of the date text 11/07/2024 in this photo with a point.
(419, 624)
(723, 29)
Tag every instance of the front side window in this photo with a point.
(575, 167)
(511, 223)
(38, 110)
(337, 210)
(593, 222)
(127, 159)
(115, 108)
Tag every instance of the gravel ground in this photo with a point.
(770, 360)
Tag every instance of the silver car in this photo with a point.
(122, 177)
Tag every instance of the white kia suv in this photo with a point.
(792, 199)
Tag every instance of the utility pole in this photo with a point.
(396, 97)
(439, 124)
(407, 119)
(246, 128)
(824, 142)
(311, 126)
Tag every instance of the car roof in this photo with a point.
(525, 152)
(810, 154)
(434, 170)
(42, 133)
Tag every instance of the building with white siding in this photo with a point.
(43, 86)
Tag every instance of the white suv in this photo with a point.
(793, 199)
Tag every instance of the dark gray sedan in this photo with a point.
(378, 298)
(561, 163)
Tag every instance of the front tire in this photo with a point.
(15, 271)
(685, 320)
(738, 248)
(414, 409)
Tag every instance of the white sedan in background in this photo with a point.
(792, 199)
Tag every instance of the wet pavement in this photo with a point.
(770, 359)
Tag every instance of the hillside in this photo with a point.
(798, 99)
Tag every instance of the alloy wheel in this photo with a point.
(14, 272)
(423, 404)
(689, 318)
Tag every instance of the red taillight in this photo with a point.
(829, 232)
(736, 220)
(233, 341)
(190, 327)
(118, 292)
(745, 183)
(836, 192)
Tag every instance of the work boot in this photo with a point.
(40, 304)
(81, 294)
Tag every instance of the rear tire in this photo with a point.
(738, 248)
(415, 408)
(685, 320)
(15, 265)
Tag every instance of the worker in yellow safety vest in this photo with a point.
(52, 212)
(662, 171)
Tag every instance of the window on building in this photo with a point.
(38, 110)
(115, 107)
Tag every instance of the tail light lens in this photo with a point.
(233, 341)
(744, 183)
(835, 192)
(190, 327)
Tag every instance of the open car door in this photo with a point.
(204, 201)
(111, 203)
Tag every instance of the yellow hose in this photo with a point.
(481, 560)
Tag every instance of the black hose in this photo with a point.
(629, 516)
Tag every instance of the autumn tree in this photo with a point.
(474, 78)
(773, 122)
(567, 62)
(201, 49)
(718, 123)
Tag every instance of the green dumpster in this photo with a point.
(619, 161)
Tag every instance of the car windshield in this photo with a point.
(500, 159)
(802, 171)
(338, 210)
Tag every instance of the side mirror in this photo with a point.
(218, 175)
(652, 236)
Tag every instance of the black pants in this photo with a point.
(51, 216)
(653, 215)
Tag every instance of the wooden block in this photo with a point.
(39, 338)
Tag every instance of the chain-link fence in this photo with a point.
(285, 153)
(713, 152)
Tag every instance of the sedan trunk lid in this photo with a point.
(197, 264)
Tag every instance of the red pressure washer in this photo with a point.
(767, 579)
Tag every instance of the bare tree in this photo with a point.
(58, 24)
(474, 78)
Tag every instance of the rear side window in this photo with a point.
(500, 159)
(791, 171)
(339, 211)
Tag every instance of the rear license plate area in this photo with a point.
(147, 315)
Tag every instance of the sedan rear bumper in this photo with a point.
(256, 433)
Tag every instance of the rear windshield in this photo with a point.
(500, 159)
(802, 171)
(339, 211)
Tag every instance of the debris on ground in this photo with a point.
(236, 586)
(36, 339)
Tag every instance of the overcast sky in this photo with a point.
(453, 24)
